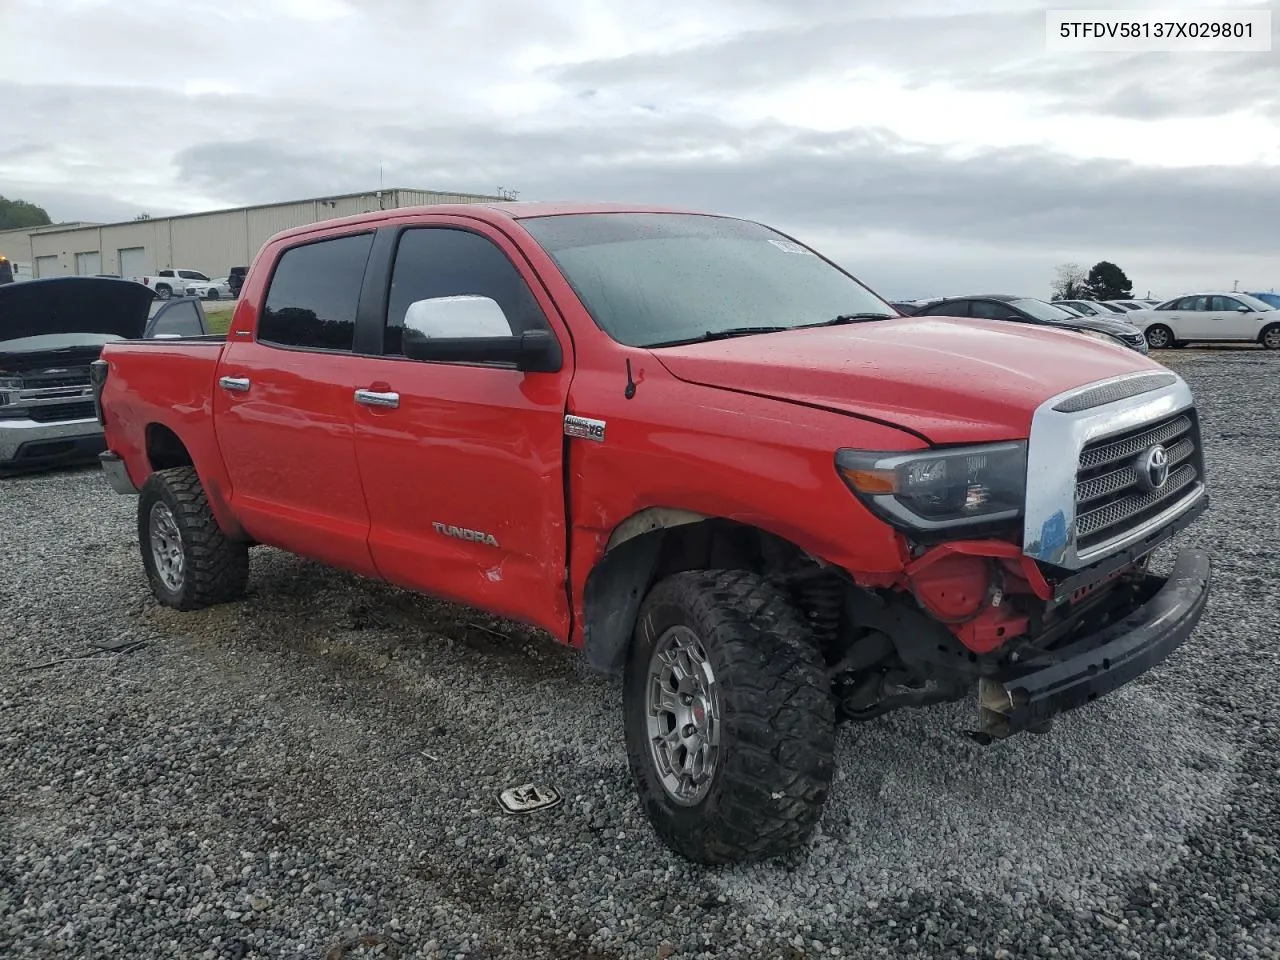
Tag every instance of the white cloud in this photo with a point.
(928, 145)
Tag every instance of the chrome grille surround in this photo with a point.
(1071, 501)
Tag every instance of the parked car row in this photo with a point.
(1112, 328)
(1140, 324)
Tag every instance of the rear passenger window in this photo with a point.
(312, 300)
(436, 262)
(178, 320)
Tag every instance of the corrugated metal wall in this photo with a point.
(213, 243)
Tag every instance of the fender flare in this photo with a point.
(619, 581)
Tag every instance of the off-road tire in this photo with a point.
(1163, 337)
(163, 291)
(1270, 337)
(215, 568)
(777, 718)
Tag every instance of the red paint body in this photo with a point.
(744, 429)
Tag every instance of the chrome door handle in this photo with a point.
(234, 384)
(372, 398)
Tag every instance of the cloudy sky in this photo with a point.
(931, 151)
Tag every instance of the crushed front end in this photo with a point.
(1029, 568)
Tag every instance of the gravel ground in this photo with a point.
(322, 761)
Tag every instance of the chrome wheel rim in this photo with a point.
(166, 545)
(1271, 339)
(1157, 339)
(682, 710)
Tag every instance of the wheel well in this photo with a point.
(165, 449)
(1263, 332)
(651, 546)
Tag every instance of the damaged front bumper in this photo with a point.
(1028, 694)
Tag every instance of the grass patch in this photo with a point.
(219, 316)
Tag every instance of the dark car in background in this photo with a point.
(235, 280)
(1000, 306)
(50, 331)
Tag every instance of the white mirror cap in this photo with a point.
(464, 316)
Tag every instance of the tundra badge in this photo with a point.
(462, 533)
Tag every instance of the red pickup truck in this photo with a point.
(694, 448)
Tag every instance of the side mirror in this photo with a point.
(472, 329)
(1243, 309)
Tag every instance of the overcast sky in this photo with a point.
(930, 152)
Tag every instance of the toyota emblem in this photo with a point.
(1153, 468)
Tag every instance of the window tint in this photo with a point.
(1225, 303)
(193, 275)
(957, 308)
(180, 319)
(989, 309)
(313, 295)
(434, 262)
(1042, 311)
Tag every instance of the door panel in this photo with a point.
(288, 442)
(464, 475)
(465, 485)
(1229, 322)
(283, 409)
(1197, 319)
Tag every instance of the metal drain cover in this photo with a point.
(528, 798)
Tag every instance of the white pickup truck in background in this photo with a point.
(12, 271)
(168, 283)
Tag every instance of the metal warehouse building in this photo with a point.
(211, 242)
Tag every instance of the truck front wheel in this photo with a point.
(730, 721)
(189, 561)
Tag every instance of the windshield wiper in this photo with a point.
(724, 334)
(844, 318)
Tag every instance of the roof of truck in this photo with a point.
(492, 212)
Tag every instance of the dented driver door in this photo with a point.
(462, 462)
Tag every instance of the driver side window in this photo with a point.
(456, 283)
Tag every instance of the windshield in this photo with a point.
(1044, 311)
(657, 278)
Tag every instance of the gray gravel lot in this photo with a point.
(322, 760)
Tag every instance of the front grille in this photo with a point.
(72, 377)
(1110, 502)
(58, 412)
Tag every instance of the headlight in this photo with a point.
(939, 489)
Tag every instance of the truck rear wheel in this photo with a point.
(730, 721)
(189, 561)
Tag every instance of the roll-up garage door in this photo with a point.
(133, 261)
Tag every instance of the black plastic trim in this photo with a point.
(1064, 679)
